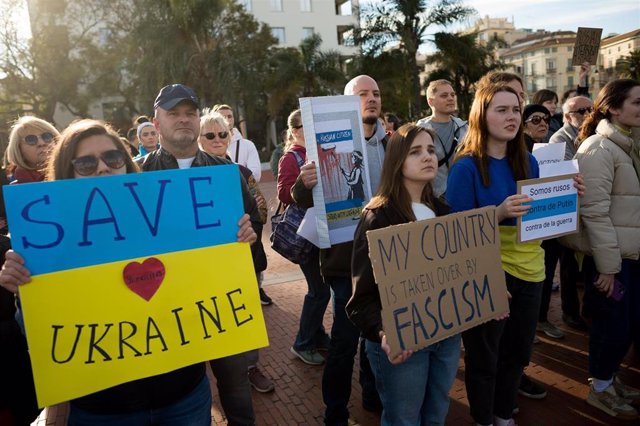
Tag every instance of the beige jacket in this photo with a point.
(610, 208)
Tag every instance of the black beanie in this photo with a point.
(531, 108)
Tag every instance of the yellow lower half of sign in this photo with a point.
(92, 328)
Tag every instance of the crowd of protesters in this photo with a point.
(417, 171)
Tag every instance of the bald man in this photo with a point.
(335, 266)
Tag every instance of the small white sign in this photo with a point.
(554, 210)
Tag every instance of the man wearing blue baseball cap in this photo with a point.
(177, 119)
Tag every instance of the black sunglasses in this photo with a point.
(88, 164)
(298, 127)
(32, 140)
(536, 119)
(212, 135)
(581, 111)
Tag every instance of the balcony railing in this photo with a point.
(551, 70)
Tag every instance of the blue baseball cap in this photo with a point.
(173, 94)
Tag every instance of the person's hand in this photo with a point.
(506, 314)
(604, 283)
(513, 206)
(309, 175)
(246, 234)
(578, 183)
(260, 201)
(399, 359)
(584, 73)
(13, 273)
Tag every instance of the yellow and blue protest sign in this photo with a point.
(132, 276)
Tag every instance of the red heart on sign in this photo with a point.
(144, 278)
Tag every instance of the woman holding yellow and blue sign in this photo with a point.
(90, 148)
(413, 386)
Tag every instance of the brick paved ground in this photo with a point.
(560, 365)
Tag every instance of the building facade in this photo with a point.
(613, 50)
(292, 21)
(544, 60)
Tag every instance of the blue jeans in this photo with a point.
(416, 392)
(192, 410)
(338, 370)
(614, 323)
(311, 331)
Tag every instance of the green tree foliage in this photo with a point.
(302, 72)
(461, 60)
(54, 67)
(388, 69)
(629, 66)
(406, 22)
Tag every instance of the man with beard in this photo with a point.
(335, 265)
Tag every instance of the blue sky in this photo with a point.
(613, 16)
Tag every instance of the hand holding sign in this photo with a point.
(513, 206)
(13, 272)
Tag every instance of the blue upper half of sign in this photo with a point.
(333, 137)
(553, 206)
(80, 222)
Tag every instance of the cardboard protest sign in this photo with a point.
(554, 210)
(438, 277)
(132, 276)
(587, 46)
(334, 141)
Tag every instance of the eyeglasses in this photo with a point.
(581, 111)
(32, 140)
(298, 127)
(88, 164)
(536, 119)
(212, 135)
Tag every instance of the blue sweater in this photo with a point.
(466, 191)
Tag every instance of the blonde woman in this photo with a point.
(30, 143)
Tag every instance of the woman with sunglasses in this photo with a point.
(536, 126)
(30, 143)
(89, 148)
(609, 158)
(413, 386)
(214, 139)
(536, 120)
(311, 334)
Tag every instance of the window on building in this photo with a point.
(570, 81)
(570, 49)
(554, 49)
(307, 32)
(344, 8)
(305, 5)
(533, 69)
(618, 48)
(547, 50)
(551, 83)
(345, 35)
(570, 64)
(276, 5)
(551, 65)
(246, 4)
(278, 33)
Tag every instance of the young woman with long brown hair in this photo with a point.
(413, 386)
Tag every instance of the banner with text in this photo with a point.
(554, 209)
(132, 276)
(438, 277)
(334, 141)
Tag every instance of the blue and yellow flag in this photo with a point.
(132, 276)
